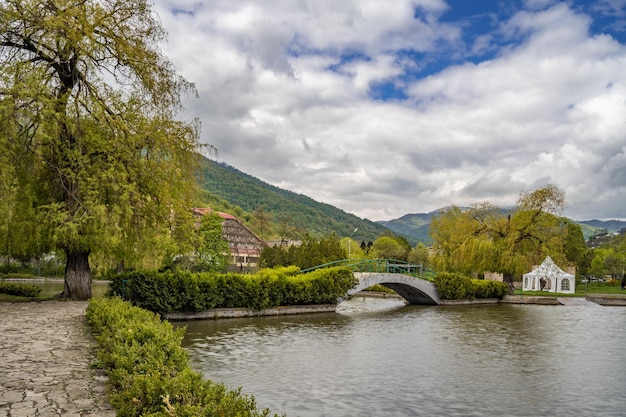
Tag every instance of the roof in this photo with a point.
(206, 210)
(548, 269)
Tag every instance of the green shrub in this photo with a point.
(149, 372)
(20, 290)
(19, 275)
(489, 289)
(453, 286)
(166, 292)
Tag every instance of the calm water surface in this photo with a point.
(381, 358)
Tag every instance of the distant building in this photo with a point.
(245, 246)
(494, 276)
(285, 243)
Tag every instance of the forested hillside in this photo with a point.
(297, 214)
(292, 215)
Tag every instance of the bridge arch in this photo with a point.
(410, 281)
(413, 290)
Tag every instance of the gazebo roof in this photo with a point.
(548, 269)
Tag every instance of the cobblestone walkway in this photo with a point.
(45, 353)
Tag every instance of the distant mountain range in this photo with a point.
(241, 194)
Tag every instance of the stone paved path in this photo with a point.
(45, 353)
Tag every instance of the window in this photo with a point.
(565, 285)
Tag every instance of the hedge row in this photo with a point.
(183, 291)
(20, 290)
(454, 286)
(149, 372)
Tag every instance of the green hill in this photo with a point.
(240, 194)
(231, 189)
(612, 226)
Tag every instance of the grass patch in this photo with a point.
(8, 298)
(582, 290)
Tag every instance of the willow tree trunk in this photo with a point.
(508, 279)
(77, 276)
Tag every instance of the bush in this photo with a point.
(454, 286)
(149, 373)
(166, 292)
(20, 290)
(489, 289)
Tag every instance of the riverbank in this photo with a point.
(599, 299)
(221, 313)
(45, 357)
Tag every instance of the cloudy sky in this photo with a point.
(383, 108)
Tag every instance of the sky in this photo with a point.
(384, 108)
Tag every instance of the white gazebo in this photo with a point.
(549, 277)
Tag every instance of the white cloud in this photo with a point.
(280, 101)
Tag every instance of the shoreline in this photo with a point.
(618, 300)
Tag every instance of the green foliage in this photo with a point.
(17, 275)
(484, 238)
(90, 136)
(419, 255)
(387, 247)
(489, 289)
(280, 206)
(20, 290)
(149, 372)
(312, 252)
(192, 292)
(455, 286)
(213, 251)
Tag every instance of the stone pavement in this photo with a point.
(45, 356)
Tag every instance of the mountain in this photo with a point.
(613, 226)
(414, 226)
(229, 187)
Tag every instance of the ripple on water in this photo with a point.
(396, 360)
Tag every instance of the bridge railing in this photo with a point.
(390, 266)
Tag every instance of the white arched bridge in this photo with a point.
(413, 282)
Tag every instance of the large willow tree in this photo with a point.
(483, 238)
(89, 131)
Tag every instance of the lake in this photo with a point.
(378, 357)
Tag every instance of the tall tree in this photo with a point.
(213, 251)
(388, 248)
(262, 220)
(89, 103)
(419, 255)
(482, 238)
